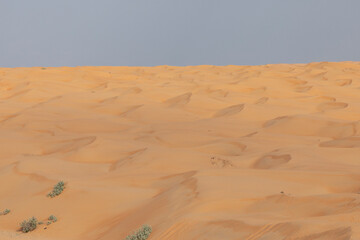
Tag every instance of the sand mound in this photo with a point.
(203, 152)
(349, 142)
(332, 106)
(262, 100)
(180, 100)
(271, 161)
(311, 126)
(228, 111)
(343, 82)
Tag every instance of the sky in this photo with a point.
(177, 32)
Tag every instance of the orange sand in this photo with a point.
(205, 152)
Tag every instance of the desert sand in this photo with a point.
(198, 152)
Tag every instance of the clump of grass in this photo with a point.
(29, 225)
(57, 190)
(141, 234)
(52, 218)
(6, 211)
(49, 221)
(43, 68)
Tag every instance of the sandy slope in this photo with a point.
(236, 152)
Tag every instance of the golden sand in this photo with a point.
(204, 152)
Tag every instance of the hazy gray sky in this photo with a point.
(177, 32)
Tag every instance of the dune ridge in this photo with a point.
(197, 152)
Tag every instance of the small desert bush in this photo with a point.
(57, 190)
(28, 225)
(6, 211)
(141, 234)
(52, 218)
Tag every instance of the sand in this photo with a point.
(203, 152)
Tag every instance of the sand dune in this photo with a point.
(203, 152)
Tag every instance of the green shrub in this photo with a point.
(57, 190)
(141, 234)
(52, 218)
(6, 211)
(39, 223)
(29, 225)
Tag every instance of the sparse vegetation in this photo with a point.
(52, 218)
(29, 225)
(141, 234)
(6, 211)
(57, 190)
(49, 221)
